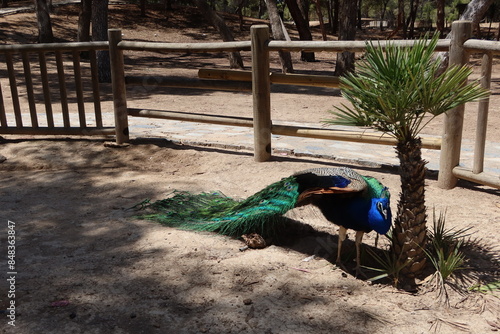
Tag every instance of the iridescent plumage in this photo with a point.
(345, 198)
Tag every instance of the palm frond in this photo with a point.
(398, 90)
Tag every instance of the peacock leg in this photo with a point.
(359, 238)
(342, 236)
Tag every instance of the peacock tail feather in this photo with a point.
(184, 208)
(214, 212)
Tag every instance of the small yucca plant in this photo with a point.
(443, 238)
(445, 246)
(398, 90)
(445, 253)
(446, 264)
(389, 265)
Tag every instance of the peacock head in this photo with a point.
(380, 216)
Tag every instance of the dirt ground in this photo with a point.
(86, 265)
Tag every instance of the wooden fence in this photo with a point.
(258, 81)
(42, 70)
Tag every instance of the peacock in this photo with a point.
(346, 198)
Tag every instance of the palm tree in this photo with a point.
(398, 92)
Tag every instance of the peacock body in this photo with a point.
(345, 198)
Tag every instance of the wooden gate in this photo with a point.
(44, 83)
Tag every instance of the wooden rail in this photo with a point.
(192, 117)
(185, 47)
(193, 83)
(486, 179)
(59, 47)
(276, 78)
(341, 46)
(258, 81)
(351, 136)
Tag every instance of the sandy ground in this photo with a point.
(77, 244)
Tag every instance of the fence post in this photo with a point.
(454, 119)
(482, 115)
(261, 91)
(118, 84)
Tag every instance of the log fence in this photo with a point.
(258, 80)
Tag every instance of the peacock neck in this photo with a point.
(375, 188)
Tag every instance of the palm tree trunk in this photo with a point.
(410, 224)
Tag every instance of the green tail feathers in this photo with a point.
(260, 213)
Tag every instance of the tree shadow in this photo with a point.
(77, 243)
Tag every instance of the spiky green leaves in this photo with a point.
(399, 90)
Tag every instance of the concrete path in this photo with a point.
(242, 138)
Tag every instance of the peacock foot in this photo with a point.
(359, 272)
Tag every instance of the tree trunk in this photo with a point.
(401, 17)
(347, 32)
(142, 5)
(336, 6)
(235, 60)
(83, 33)
(261, 9)
(382, 13)
(304, 9)
(167, 5)
(240, 4)
(44, 24)
(475, 11)
(401, 20)
(359, 23)
(277, 28)
(412, 17)
(302, 25)
(100, 33)
(440, 4)
(320, 18)
(329, 8)
(409, 234)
